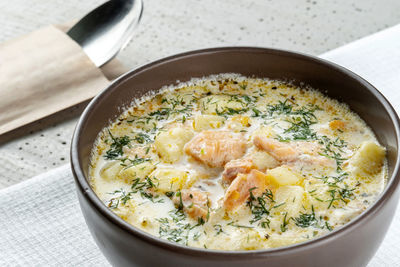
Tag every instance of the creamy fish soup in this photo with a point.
(235, 163)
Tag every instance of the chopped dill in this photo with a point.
(343, 194)
(218, 229)
(142, 138)
(258, 207)
(332, 181)
(170, 194)
(116, 146)
(127, 162)
(333, 149)
(285, 222)
(234, 224)
(300, 120)
(230, 111)
(113, 203)
(257, 113)
(176, 229)
(306, 219)
(243, 86)
(140, 187)
(337, 192)
(180, 205)
(346, 194)
(280, 108)
(311, 220)
(277, 206)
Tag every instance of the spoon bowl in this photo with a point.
(107, 29)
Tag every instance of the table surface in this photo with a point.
(170, 27)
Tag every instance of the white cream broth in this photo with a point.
(235, 163)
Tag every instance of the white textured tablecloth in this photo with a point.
(41, 223)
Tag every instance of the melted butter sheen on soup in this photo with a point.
(236, 163)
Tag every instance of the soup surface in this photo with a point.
(236, 163)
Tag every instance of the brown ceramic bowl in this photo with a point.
(352, 245)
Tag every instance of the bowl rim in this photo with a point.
(84, 186)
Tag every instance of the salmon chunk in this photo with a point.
(239, 190)
(216, 148)
(280, 151)
(194, 202)
(234, 167)
(290, 152)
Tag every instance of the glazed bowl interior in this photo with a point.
(333, 80)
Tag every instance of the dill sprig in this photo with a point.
(333, 181)
(234, 224)
(143, 138)
(176, 229)
(116, 146)
(333, 149)
(258, 207)
(138, 187)
(311, 220)
(280, 108)
(300, 120)
(285, 223)
(127, 162)
(306, 219)
(336, 192)
(343, 194)
(300, 128)
(245, 103)
(174, 107)
(229, 111)
(218, 229)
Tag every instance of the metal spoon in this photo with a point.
(107, 29)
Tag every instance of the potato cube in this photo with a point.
(317, 195)
(283, 176)
(368, 159)
(169, 145)
(263, 161)
(216, 104)
(285, 240)
(111, 170)
(243, 120)
(207, 122)
(250, 239)
(289, 198)
(169, 179)
(138, 171)
(266, 131)
(239, 123)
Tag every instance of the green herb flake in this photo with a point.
(116, 146)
